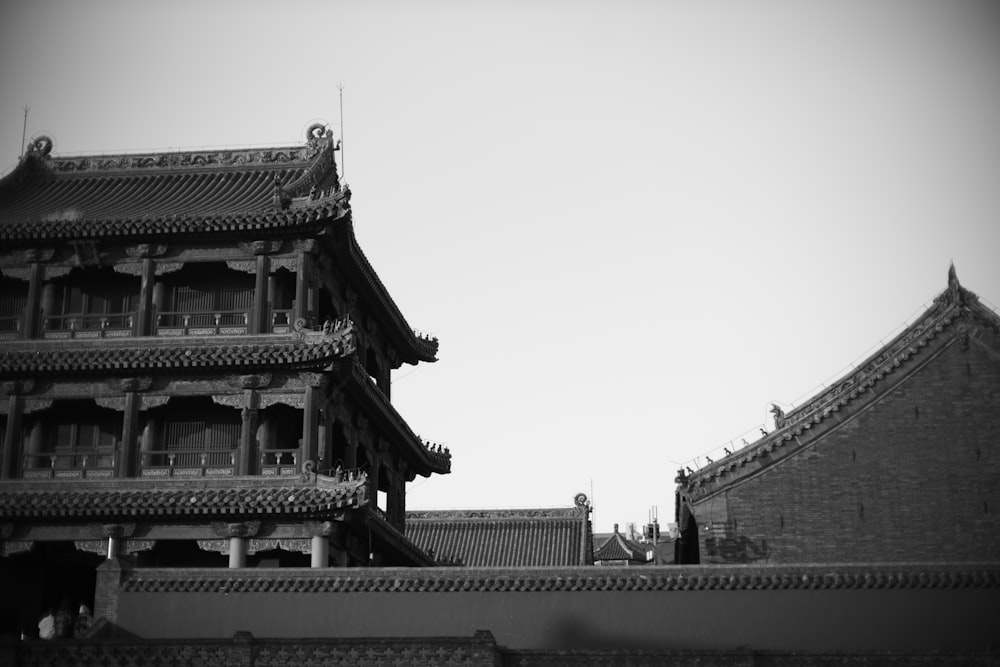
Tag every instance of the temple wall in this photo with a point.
(774, 608)
(910, 478)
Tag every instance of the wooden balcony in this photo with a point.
(212, 323)
(188, 463)
(89, 325)
(93, 464)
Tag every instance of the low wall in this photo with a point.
(914, 607)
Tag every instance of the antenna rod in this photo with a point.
(343, 160)
(24, 131)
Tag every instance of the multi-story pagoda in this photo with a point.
(195, 361)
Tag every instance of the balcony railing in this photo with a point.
(10, 327)
(281, 320)
(89, 325)
(189, 463)
(214, 323)
(92, 464)
(279, 462)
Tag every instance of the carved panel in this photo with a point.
(17, 387)
(141, 383)
(289, 263)
(149, 402)
(56, 271)
(230, 400)
(37, 404)
(144, 250)
(99, 547)
(168, 267)
(18, 273)
(244, 265)
(111, 402)
(135, 546)
(131, 268)
(11, 547)
(262, 247)
(255, 381)
(256, 544)
(236, 529)
(218, 546)
(292, 400)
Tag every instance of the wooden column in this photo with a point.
(125, 466)
(15, 412)
(302, 305)
(248, 433)
(310, 425)
(144, 312)
(374, 465)
(32, 306)
(260, 317)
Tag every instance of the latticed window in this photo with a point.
(93, 300)
(204, 440)
(13, 298)
(78, 434)
(208, 296)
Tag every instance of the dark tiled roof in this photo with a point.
(128, 195)
(302, 350)
(955, 312)
(503, 538)
(617, 547)
(246, 498)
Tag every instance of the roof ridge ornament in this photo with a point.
(40, 146)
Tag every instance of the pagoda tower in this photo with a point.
(195, 361)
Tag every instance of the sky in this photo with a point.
(633, 225)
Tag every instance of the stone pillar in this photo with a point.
(237, 533)
(237, 552)
(320, 552)
(15, 411)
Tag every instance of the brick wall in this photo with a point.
(911, 477)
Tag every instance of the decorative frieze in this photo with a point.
(236, 529)
(37, 404)
(229, 400)
(140, 383)
(111, 402)
(129, 268)
(99, 547)
(17, 387)
(254, 381)
(293, 400)
(260, 247)
(135, 546)
(52, 272)
(144, 250)
(150, 402)
(242, 265)
(18, 273)
(289, 263)
(163, 268)
(11, 547)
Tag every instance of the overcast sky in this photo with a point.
(633, 225)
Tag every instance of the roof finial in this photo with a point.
(954, 288)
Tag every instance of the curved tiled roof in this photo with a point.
(617, 547)
(955, 307)
(139, 354)
(139, 498)
(504, 538)
(92, 196)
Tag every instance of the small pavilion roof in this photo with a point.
(618, 548)
(504, 538)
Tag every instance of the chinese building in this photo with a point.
(195, 361)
